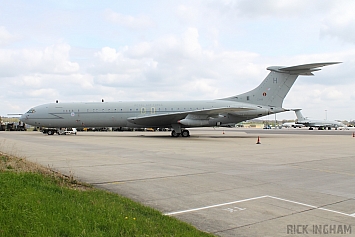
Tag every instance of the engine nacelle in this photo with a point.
(194, 122)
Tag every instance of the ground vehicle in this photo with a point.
(62, 131)
(267, 127)
(67, 131)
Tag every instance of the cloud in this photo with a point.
(317, 96)
(175, 51)
(108, 54)
(5, 36)
(131, 22)
(269, 8)
(188, 13)
(52, 59)
(258, 9)
(43, 92)
(339, 23)
(174, 62)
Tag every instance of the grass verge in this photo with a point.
(34, 201)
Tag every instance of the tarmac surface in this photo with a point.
(296, 182)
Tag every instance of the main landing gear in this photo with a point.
(177, 131)
(184, 133)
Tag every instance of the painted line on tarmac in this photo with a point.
(208, 207)
(255, 198)
(315, 207)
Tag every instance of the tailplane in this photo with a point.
(272, 91)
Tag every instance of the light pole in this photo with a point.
(325, 114)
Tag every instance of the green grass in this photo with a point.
(33, 204)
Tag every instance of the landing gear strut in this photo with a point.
(177, 131)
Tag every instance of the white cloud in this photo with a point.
(108, 54)
(187, 13)
(43, 93)
(339, 23)
(132, 22)
(270, 7)
(5, 36)
(30, 81)
(175, 51)
(52, 59)
(175, 63)
(190, 42)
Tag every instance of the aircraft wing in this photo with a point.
(167, 119)
(322, 124)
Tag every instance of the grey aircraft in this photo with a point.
(265, 99)
(320, 124)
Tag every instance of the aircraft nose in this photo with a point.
(23, 117)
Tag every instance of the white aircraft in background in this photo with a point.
(320, 124)
(265, 99)
(292, 125)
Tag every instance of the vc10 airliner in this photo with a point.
(265, 99)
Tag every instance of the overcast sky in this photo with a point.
(75, 51)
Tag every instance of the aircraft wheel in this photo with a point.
(175, 134)
(50, 132)
(185, 133)
(310, 128)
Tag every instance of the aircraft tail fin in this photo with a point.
(274, 88)
(299, 115)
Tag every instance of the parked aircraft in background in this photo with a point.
(265, 99)
(320, 124)
(292, 125)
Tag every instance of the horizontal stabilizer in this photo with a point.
(305, 69)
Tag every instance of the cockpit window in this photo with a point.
(31, 111)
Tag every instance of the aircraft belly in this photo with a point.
(102, 120)
(157, 121)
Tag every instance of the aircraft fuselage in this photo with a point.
(117, 114)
